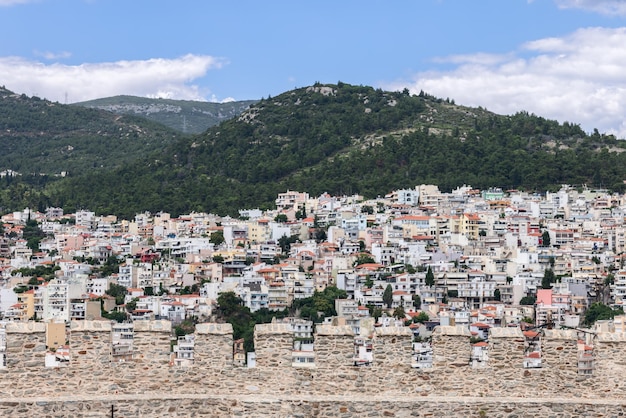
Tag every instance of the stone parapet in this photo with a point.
(214, 329)
(559, 351)
(451, 347)
(153, 326)
(25, 327)
(90, 343)
(334, 346)
(393, 347)
(213, 345)
(334, 330)
(273, 345)
(508, 332)
(151, 341)
(611, 337)
(90, 326)
(506, 348)
(452, 330)
(26, 345)
(212, 374)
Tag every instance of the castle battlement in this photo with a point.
(124, 360)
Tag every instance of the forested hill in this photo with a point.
(43, 137)
(348, 139)
(190, 117)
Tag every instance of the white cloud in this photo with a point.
(605, 7)
(157, 77)
(53, 55)
(578, 78)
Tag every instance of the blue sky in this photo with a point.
(560, 59)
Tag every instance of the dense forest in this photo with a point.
(340, 139)
(42, 137)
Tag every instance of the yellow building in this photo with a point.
(26, 300)
(55, 334)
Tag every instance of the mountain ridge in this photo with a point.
(186, 116)
(44, 137)
(344, 139)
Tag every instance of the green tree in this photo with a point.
(417, 301)
(548, 279)
(368, 282)
(117, 316)
(111, 266)
(375, 312)
(496, 294)
(528, 300)
(320, 235)
(301, 213)
(320, 305)
(32, 234)
(217, 258)
(231, 309)
(217, 237)
(118, 292)
(388, 296)
(132, 305)
(367, 209)
(281, 218)
(185, 327)
(545, 239)
(399, 313)
(421, 318)
(285, 242)
(364, 258)
(430, 278)
(599, 311)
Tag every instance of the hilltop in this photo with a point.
(48, 138)
(189, 117)
(345, 139)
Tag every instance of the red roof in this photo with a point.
(530, 334)
(370, 266)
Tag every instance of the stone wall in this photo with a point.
(506, 349)
(213, 345)
(392, 347)
(214, 387)
(334, 346)
(188, 406)
(90, 344)
(559, 352)
(152, 342)
(451, 347)
(273, 344)
(26, 345)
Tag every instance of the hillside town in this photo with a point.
(476, 259)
